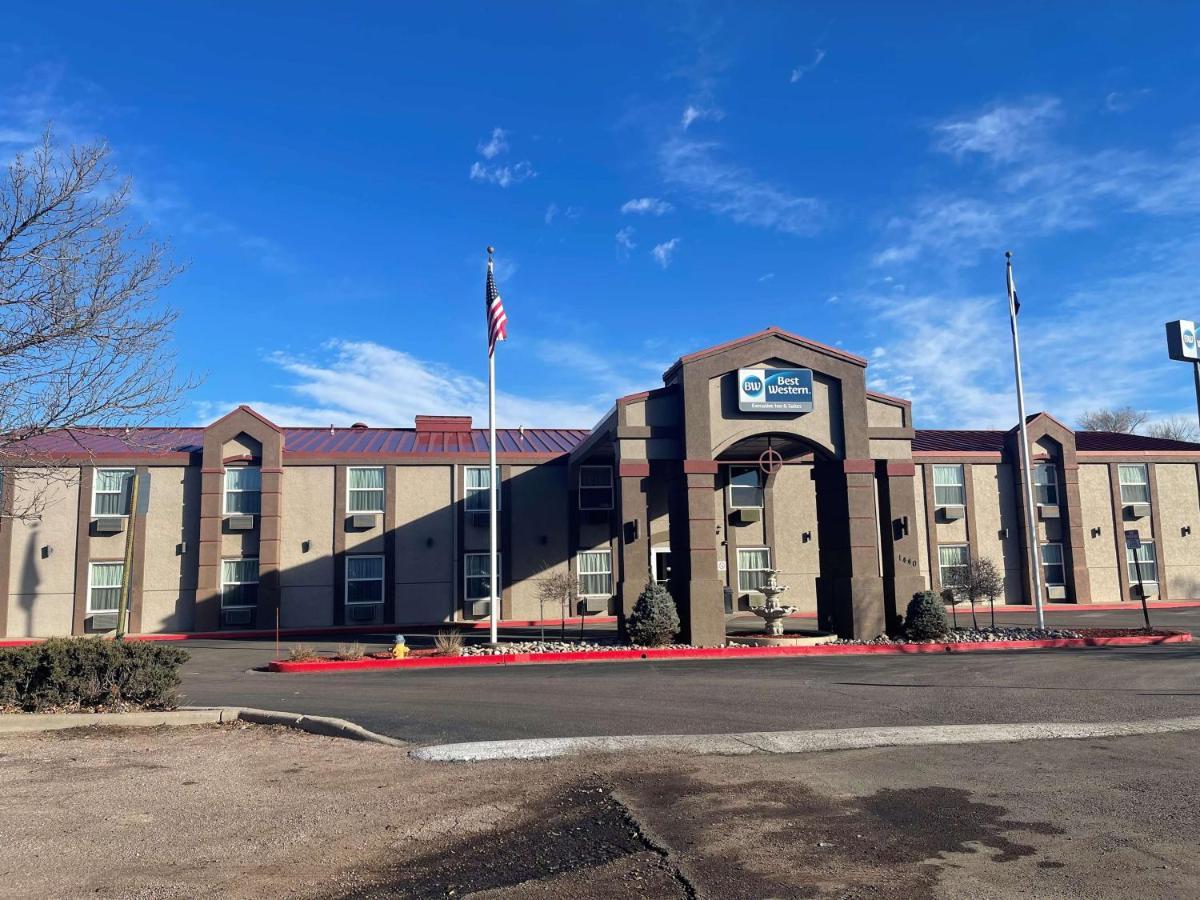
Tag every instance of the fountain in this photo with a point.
(772, 612)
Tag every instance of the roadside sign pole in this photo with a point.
(1133, 541)
(1196, 369)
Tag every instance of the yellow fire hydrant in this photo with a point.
(399, 647)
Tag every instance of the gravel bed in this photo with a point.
(559, 647)
(981, 636)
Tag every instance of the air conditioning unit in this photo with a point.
(480, 519)
(109, 525)
(594, 605)
(364, 520)
(102, 621)
(239, 523)
(237, 618)
(747, 516)
(953, 513)
(479, 608)
(1056, 592)
(1137, 510)
(596, 516)
(1049, 512)
(363, 612)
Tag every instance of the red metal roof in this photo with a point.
(949, 440)
(945, 440)
(1111, 441)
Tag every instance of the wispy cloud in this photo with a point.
(1123, 101)
(351, 381)
(800, 71)
(495, 145)
(625, 242)
(554, 211)
(734, 191)
(646, 206)
(1001, 132)
(664, 252)
(765, 278)
(693, 113)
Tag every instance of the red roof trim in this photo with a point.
(244, 408)
(768, 332)
(888, 398)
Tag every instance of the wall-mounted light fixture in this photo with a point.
(806, 537)
(305, 546)
(1003, 534)
(429, 542)
(47, 551)
(1185, 530)
(1096, 532)
(181, 548)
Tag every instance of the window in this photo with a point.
(111, 492)
(595, 487)
(1045, 484)
(948, 486)
(477, 481)
(753, 565)
(1147, 559)
(364, 489)
(364, 579)
(242, 491)
(745, 487)
(104, 586)
(595, 573)
(1135, 484)
(1053, 568)
(239, 583)
(475, 575)
(951, 559)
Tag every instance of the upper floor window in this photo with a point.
(745, 487)
(595, 573)
(104, 586)
(1135, 483)
(1045, 483)
(949, 486)
(364, 489)
(243, 490)
(595, 487)
(111, 492)
(1053, 567)
(477, 481)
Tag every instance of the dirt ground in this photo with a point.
(254, 812)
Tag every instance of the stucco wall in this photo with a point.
(795, 513)
(172, 524)
(307, 591)
(42, 590)
(884, 415)
(994, 509)
(1179, 508)
(425, 546)
(1099, 551)
(539, 542)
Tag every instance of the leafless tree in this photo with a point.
(978, 580)
(559, 590)
(1178, 428)
(1124, 419)
(84, 342)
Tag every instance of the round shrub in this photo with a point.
(654, 620)
(926, 617)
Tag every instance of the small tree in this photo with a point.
(561, 590)
(654, 619)
(925, 618)
(977, 580)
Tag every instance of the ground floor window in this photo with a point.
(1053, 568)
(104, 586)
(476, 575)
(239, 583)
(952, 559)
(1147, 559)
(364, 579)
(595, 573)
(753, 565)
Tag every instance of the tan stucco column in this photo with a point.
(633, 536)
(850, 588)
(695, 585)
(901, 557)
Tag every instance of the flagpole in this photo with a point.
(1035, 563)
(493, 487)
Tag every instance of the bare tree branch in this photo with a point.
(1125, 420)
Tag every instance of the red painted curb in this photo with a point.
(507, 659)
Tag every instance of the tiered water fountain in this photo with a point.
(772, 612)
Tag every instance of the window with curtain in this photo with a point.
(243, 486)
(595, 573)
(364, 489)
(239, 583)
(104, 592)
(475, 575)
(1053, 568)
(1147, 558)
(745, 487)
(595, 487)
(1135, 483)
(364, 579)
(753, 565)
(476, 483)
(1045, 483)
(949, 486)
(952, 558)
(111, 492)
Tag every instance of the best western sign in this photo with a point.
(775, 390)
(1181, 341)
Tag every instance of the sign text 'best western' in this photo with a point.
(775, 390)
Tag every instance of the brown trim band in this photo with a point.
(634, 470)
(900, 469)
(700, 467)
(858, 466)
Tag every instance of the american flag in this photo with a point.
(497, 321)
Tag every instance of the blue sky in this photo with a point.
(657, 178)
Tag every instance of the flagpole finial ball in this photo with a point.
(1008, 254)
(491, 250)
